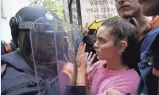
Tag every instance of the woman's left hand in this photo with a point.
(80, 59)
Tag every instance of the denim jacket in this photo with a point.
(149, 55)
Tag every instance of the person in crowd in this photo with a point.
(131, 9)
(24, 72)
(116, 70)
(126, 9)
(149, 82)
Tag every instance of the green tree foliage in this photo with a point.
(53, 5)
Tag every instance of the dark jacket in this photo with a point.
(149, 55)
(19, 78)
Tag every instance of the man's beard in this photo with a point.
(130, 14)
(127, 15)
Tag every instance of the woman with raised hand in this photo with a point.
(116, 70)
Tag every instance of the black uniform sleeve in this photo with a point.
(80, 90)
(76, 90)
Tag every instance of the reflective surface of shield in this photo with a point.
(54, 44)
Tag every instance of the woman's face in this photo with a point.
(104, 45)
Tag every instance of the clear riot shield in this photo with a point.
(77, 36)
(69, 46)
(69, 49)
(74, 35)
(51, 50)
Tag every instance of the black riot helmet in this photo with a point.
(30, 29)
(27, 14)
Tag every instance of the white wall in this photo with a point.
(10, 8)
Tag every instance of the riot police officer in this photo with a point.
(32, 69)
